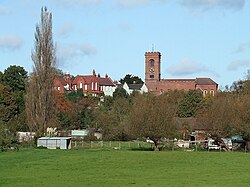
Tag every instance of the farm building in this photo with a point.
(54, 142)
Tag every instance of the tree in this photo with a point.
(7, 138)
(220, 117)
(40, 97)
(189, 103)
(131, 79)
(15, 77)
(8, 106)
(153, 117)
(1, 77)
(120, 92)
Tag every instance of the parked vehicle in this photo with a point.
(227, 143)
(212, 145)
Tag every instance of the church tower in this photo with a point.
(152, 69)
(153, 66)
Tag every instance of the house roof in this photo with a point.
(106, 81)
(205, 81)
(135, 86)
(62, 81)
(87, 78)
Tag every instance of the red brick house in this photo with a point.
(61, 84)
(90, 84)
(156, 84)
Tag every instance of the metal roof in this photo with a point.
(54, 138)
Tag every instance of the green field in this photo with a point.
(107, 167)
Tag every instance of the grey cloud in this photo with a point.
(10, 42)
(124, 27)
(209, 4)
(72, 51)
(188, 67)
(129, 3)
(5, 10)
(132, 3)
(242, 47)
(233, 66)
(64, 30)
(77, 3)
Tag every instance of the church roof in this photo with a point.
(205, 81)
(178, 80)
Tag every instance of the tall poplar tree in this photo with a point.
(40, 98)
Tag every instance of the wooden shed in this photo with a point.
(54, 142)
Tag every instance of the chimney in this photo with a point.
(99, 75)
(67, 75)
(94, 73)
(106, 76)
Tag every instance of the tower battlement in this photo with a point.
(152, 53)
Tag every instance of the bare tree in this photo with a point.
(40, 98)
(153, 117)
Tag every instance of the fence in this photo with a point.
(111, 144)
(117, 145)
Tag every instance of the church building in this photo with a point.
(157, 85)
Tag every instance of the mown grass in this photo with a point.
(106, 167)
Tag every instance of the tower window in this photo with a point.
(151, 76)
(152, 63)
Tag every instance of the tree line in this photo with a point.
(29, 103)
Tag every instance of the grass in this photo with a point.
(106, 167)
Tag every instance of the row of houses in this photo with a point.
(94, 85)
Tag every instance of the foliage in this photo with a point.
(7, 138)
(8, 106)
(1, 77)
(15, 77)
(74, 96)
(131, 79)
(153, 117)
(120, 92)
(189, 104)
(221, 118)
(113, 120)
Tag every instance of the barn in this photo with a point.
(54, 142)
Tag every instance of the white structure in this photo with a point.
(79, 133)
(107, 85)
(25, 136)
(130, 88)
(54, 142)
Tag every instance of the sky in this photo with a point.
(196, 38)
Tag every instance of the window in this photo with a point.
(80, 84)
(86, 87)
(151, 76)
(152, 63)
(212, 92)
(205, 92)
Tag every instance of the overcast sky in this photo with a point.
(197, 38)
